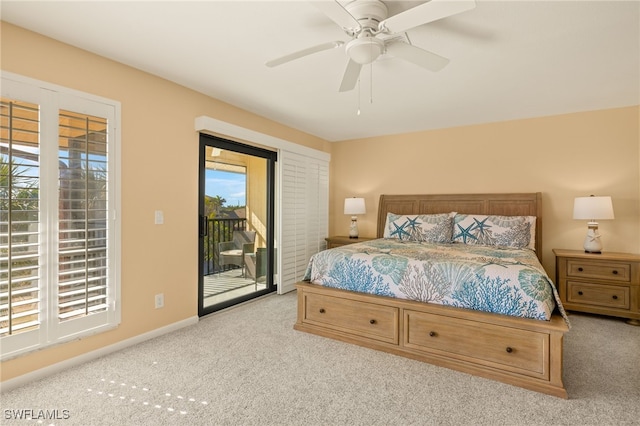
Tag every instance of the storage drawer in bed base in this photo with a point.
(521, 352)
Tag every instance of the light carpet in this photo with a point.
(247, 366)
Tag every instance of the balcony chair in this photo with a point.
(232, 252)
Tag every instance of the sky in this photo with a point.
(230, 186)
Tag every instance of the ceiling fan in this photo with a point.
(374, 33)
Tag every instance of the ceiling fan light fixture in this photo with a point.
(365, 50)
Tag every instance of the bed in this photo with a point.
(437, 327)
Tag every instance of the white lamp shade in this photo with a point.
(354, 206)
(592, 208)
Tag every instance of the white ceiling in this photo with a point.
(509, 59)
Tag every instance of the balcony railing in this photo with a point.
(218, 231)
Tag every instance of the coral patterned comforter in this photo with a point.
(492, 279)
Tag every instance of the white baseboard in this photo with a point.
(10, 384)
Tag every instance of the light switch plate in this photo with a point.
(159, 219)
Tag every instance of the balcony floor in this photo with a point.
(228, 285)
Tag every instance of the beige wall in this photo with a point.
(159, 172)
(561, 156)
(257, 198)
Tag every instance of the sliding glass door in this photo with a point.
(236, 226)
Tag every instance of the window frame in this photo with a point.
(52, 99)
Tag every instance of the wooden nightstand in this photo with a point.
(605, 284)
(340, 240)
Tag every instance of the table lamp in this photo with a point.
(592, 208)
(354, 206)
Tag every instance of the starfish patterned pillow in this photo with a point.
(430, 228)
(488, 230)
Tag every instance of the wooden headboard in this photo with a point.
(508, 204)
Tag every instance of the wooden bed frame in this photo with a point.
(518, 351)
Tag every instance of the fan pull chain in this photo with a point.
(358, 96)
(371, 83)
(371, 77)
(370, 87)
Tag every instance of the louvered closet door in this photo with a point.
(317, 227)
(304, 214)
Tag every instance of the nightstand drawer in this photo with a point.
(610, 296)
(610, 271)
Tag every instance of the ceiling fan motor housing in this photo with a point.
(369, 13)
(366, 47)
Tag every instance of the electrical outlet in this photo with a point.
(159, 217)
(159, 300)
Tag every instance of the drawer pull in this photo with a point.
(509, 349)
(580, 293)
(322, 310)
(615, 272)
(372, 321)
(580, 269)
(615, 297)
(432, 334)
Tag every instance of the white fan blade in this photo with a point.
(426, 12)
(418, 56)
(351, 75)
(337, 14)
(304, 52)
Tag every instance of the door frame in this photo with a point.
(213, 126)
(271, 157)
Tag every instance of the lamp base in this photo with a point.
(592, 243)
(353, 229)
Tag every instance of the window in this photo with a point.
(59, 249)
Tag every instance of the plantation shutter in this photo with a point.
(82, 200)
(85, 280)
(304, 214)
(19, 218)
(59, 253)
